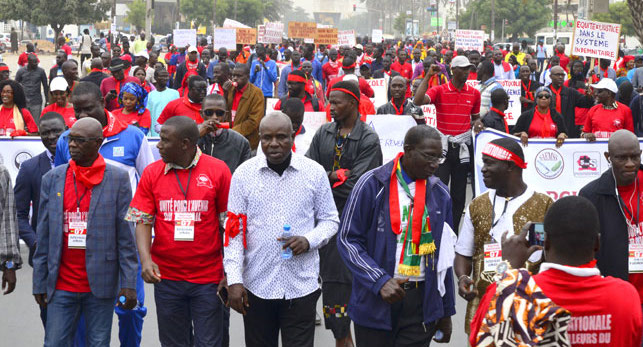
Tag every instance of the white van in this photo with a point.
(564, 37)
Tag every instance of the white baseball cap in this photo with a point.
(359, 46)
(606, 83)
(58, 83)
(144, 54)
(192, 49)
(460, 61)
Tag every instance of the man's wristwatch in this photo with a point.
(502, 267)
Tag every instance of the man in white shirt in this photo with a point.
(267, 195)
(506, 207)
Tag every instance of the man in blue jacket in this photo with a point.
(125, 147)
(263, 72)
(395, 237)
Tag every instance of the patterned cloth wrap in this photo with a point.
(139, 92)
(521, 315)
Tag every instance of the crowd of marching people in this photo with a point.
(238, 212)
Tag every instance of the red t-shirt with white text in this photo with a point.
(72, 275)
(199, 261)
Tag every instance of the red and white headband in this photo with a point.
(503, 154)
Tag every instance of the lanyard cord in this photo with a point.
(493, 210)
(623, 207)
(187, 187)
(78, 201)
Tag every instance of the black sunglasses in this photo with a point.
(209, 113)
(543, 96)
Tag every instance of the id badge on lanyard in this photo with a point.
(77, 235)
(184, 226)
(492, 256)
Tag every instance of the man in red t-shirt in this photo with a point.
(297, 89)
(111, 86)
(457, 108)
(605, 311)
(86, 250)
(617, 197)
(608, 115)
(182, 196)
(330, 70)
(348, 67)
(190, 104)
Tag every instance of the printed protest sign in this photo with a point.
(470, 40)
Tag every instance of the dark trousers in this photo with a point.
(295, 318)
(408, 327)
(184, 306)
(456, 173)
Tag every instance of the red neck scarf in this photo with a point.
(419, 202)
(558, 101)
(89, 176)
(114, 125)
(96, 70)
(294, 148)
(528, 94)
(504, 118)
(398, 111)
(546, 129)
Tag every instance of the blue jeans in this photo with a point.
(183, 306)
(63, 312)
(130, 322)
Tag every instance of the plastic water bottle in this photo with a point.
(122, 299)
(286, 253)
(438, 335)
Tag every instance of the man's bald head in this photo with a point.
(97, 63)
(275, 119)
(557, 69)
(88, 127)
(620, 139)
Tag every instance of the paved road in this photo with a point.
(20, 325)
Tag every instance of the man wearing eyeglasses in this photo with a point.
(507, 205)
(567, 100)
(86, 254)
(126, 147)
(395, 224)
(215, 137)
(617, 198)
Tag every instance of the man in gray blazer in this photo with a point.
(85, 249)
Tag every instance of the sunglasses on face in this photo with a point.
(543, 96)
(209, 113)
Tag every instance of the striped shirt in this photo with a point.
(454, 107)
(8, 221)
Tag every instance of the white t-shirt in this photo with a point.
(405, 204)
(503, 222)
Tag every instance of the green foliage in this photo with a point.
(523, 16)
(136, 14)
(296, 14)
(399, 24)
(619, 13)
(249, 12)
(56, 13)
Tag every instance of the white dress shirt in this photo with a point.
(302, 198)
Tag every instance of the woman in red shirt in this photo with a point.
(133, 99)
(15, 119)
(542, 121)
(608, 115)
(59, 94)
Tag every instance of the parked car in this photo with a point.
(5, 38)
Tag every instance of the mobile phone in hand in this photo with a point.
(536, 235)
(223, 295)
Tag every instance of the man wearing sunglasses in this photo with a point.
(123, 146)
(86, 253)
(215, 137)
